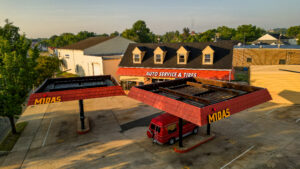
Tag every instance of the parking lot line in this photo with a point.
(47, 133)
(237, 157)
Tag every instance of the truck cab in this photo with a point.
(165, 129)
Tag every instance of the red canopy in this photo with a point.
(78, 88)
(200, 101)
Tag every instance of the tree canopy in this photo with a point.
(46, 67)
(20, 68)
(139, 32)
(16, 71)
(226, 33)
(67, 38)
(293, 31)
(248, 33)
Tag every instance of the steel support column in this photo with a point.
(208, 129)
(81, 114)
(180, 132)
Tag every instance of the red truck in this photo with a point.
(164, 129)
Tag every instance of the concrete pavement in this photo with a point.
(270, 129)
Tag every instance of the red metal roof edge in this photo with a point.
(166, 104)
(237, 104)
(77, 94)
(195, 114)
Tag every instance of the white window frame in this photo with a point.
(179, 61)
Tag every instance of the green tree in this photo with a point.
(293, 31)
(84, 34)
(207, 36)
(171, 37)
(248, 33)
(139, 33)
(34, 55)
(282, 31)
(185, 34)
(15, 71)
(68, 38)
(115, 33)
(46, 67)
(225, 32)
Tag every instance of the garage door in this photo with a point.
(96, 69)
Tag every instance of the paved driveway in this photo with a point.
(266, 136)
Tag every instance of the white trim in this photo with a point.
(178, 68)
(237, 157)
(47, 133)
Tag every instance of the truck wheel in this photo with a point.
(195, 131)
(171, 141)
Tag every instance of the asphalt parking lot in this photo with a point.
(266, 136)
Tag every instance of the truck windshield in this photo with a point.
(152, 126)
(157, 129)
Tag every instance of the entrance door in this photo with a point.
(96, 69)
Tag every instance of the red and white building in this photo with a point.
(145, 63)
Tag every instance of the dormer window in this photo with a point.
(158, 58)
(137, 58)
(208, 56)
(159, 54)
(138, 54)
(182, 55)
(181, 58)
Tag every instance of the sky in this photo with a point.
(44, 18)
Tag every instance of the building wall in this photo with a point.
(78, 63)
(282, 81)
(265, 56)
(110, 67)
(69, 58)
(83, 65)
(86, 65)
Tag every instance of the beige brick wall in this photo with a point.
(284, 86)
(265, 56)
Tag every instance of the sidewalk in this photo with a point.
(5, 124)
(34, 115)
(4, 127)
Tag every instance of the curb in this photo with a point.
(87, 126)
(191, 148)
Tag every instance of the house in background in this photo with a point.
(94, 56)
(52, 51)
(274, 39)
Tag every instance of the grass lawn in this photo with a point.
(65, 74)
(11, 139)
